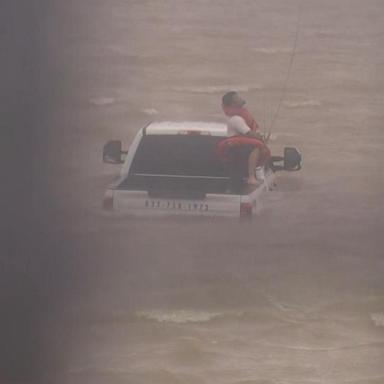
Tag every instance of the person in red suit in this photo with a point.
(243, 131)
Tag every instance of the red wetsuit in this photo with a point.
(244, 113)
(242, 141)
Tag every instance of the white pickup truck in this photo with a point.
(173, 168)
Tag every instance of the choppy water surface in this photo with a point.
(295, 297)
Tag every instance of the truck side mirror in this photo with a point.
(292, 159)
(112, 152)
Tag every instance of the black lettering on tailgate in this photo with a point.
(168, 204)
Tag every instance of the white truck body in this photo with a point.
(144, 190)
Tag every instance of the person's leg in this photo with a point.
(252, 164)
(265, 154)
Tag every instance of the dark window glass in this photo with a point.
(184, 155)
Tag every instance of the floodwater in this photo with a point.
(294, 297)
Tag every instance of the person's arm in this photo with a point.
(260, 136)
(255, 134)
(238, 125)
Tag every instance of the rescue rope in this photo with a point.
(292, 56)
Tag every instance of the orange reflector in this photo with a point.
(246, 210)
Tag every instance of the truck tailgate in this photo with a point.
(139, 202)
(142, 204)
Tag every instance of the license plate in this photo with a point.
(176, 205)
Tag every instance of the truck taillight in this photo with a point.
(108, 201)
(246, 210)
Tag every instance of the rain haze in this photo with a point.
(295, 296)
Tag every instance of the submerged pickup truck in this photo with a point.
(173, 168)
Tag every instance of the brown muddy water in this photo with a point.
(294, 297)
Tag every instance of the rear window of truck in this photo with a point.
(183, 155)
